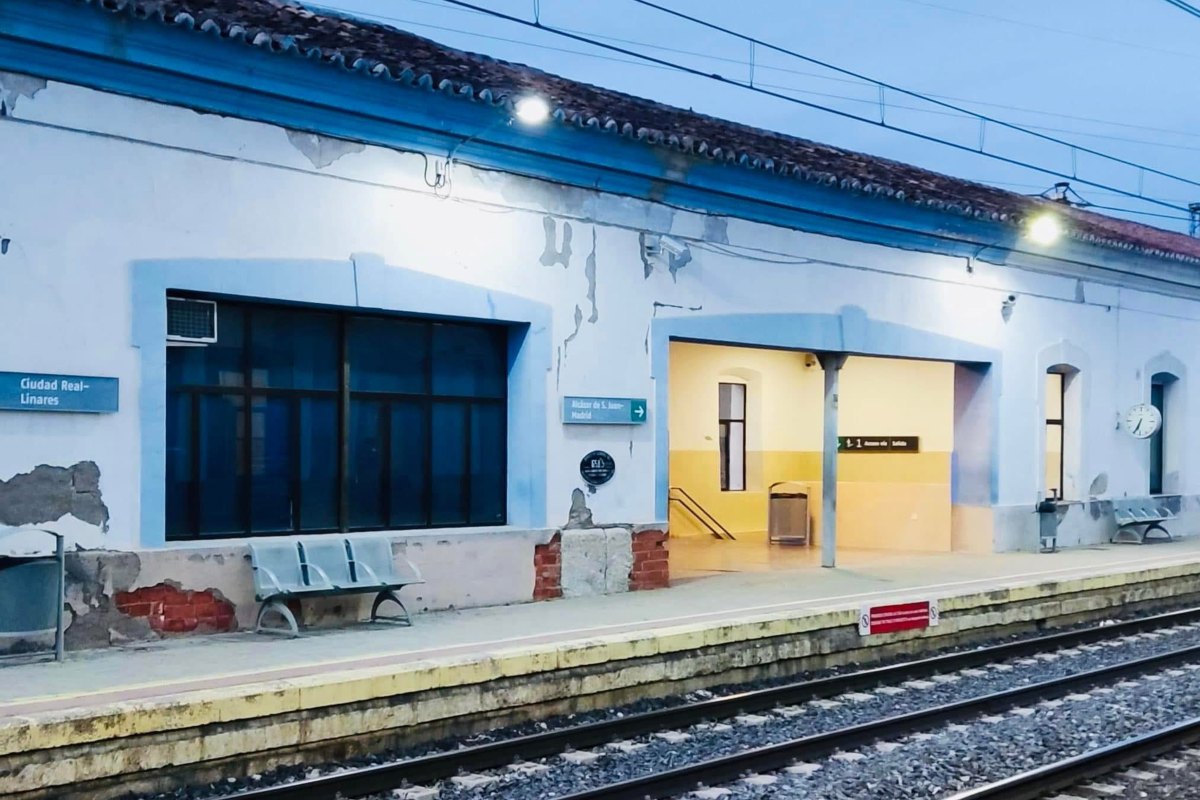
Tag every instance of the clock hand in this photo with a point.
(1138, 429)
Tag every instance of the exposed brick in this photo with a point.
(547, 569)
(169, 609)
(137, 609)
(651, 561)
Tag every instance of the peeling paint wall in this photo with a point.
(321, 151)
(47, 494)
(194, 192)
(14, 87)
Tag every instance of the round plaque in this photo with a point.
(597, 468)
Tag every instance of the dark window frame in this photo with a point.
(344, 396)
(1158, 442)
(724, 426)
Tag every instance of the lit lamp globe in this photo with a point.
(1044, 229)
(532, 110)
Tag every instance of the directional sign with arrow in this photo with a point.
(604, 411)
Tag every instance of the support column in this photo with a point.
(831, 363)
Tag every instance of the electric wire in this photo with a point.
(775, 68)
(908, 92)
(1185, 7)
(878, 123)
(1038, 27)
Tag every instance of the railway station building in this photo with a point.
(270, 273)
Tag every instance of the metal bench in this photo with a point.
(326, 566)
(1144, 513)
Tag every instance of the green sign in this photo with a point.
(604, 410)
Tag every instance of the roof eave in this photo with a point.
(172, 64)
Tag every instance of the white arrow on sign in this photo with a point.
(639, 411)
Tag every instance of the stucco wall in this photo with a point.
(102, 185)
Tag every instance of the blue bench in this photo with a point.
(1146, 513)
(328, 565)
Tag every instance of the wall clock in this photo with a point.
(1143, 421)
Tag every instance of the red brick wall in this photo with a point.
(172, 610)
(650, 569)
(547, 569)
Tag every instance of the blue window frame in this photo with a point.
(300, 420)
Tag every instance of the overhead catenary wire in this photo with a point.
(761, 67)
(878, 123)
(1185, 7)
(914, 94)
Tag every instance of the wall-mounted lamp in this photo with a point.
(531, 110)
(1045, 229)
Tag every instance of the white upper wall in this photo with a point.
(95, 182)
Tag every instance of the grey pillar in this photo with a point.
(832, 364)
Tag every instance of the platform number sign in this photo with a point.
(597, 468)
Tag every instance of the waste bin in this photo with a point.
(1047, 511)
(787, 513)
(31, 599)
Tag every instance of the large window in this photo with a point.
(311, 421)
(731, 399)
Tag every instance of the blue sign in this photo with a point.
(604, 410)
(32, 391)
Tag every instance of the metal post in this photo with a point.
(832, 364)
(62, 596)
(1194, 219)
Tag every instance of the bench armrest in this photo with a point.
(370, 572)
(272, 578)
(324, 575)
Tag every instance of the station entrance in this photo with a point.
(746, 432)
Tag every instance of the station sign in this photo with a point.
(879, 444)
(874, 620)
(604, 410)
(79, 394)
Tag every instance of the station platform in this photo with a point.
(141, 716)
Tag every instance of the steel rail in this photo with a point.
(770, 758)
(1093, 764)
(438, 766)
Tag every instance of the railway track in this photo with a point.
(384, 778)
(679, 781)
(1081, 774)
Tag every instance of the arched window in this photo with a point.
(1062, 402)
(1164, 458)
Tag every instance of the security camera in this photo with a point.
(1012, 298)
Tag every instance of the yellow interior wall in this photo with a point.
(885, 500)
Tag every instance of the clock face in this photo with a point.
(1143, 421)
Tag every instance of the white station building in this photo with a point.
(267, 273)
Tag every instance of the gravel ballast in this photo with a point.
(655, 754)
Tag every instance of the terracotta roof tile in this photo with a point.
(382, 51)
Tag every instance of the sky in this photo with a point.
(1114, 76)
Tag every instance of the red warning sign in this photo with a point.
(897, 617)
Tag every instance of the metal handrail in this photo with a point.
(700, 512)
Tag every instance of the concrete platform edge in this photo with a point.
(300, 711)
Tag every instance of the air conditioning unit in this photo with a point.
(191, 322)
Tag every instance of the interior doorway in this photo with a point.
(745, 431)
